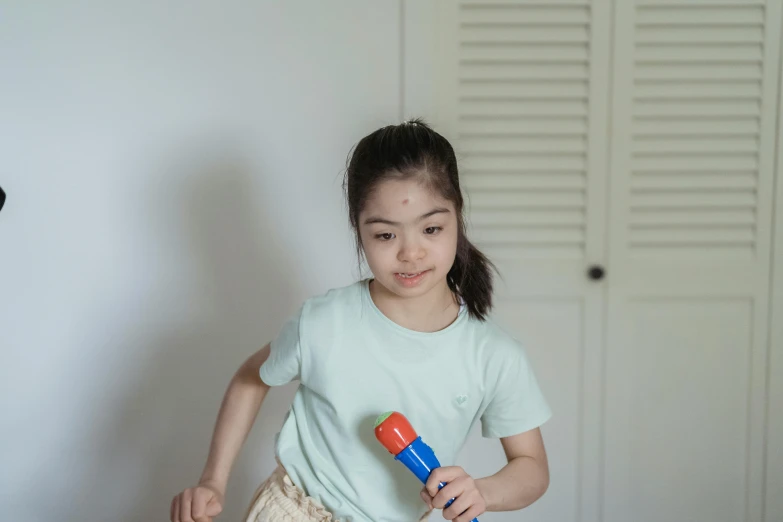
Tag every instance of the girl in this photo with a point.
(415, 339)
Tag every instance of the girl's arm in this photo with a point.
(517, 485)
(523, 480)
(239, 409)
(237, 414)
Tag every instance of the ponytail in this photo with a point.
(471, 278)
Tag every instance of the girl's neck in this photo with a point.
(430, 312)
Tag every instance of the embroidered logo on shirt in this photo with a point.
(461, 400)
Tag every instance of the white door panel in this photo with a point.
(636, 136)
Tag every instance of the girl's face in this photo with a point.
(409, 235)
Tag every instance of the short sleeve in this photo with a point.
(517, 404)
(285, 359)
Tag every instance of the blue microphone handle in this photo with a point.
(421, 460)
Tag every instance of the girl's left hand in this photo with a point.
(469, 503)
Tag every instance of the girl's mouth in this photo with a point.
(409, 279)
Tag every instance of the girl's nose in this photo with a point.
(410, 251)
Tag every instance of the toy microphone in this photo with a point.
(397, 435)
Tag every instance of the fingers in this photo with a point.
(185, 506)
(444, 474)
(451, 490)
(214, 508)
(199, 505)
(426, 497)
(462, 503)
(474, 511)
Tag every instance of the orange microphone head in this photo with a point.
(394, 431)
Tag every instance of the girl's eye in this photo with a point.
(432, 230)
(386, 236)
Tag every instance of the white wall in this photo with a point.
(173, 178)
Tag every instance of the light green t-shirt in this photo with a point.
(354, 363)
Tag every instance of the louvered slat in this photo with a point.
(696, 235)
(696, 162)
(696, 106)
(522, 163)
(709, 71)
(526, 126)
(667, 199)
(547, 181)
(692, 217)
(522, 144)
(695, 129)
(513, 13)
(736, 90)
(702, 53)
(684, 35)
(522, 199)
(521, 90)
(537, 35)
(534, 71)
(682, 181)
(696, 145)
(572, 218)
(656, 126)
(683, 13)
(523, 108)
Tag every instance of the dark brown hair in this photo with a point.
(414, 150)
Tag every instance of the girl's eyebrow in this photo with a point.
(375, 219)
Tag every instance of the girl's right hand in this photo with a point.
(197, 504)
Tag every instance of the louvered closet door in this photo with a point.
(693, 147)
(523, 95)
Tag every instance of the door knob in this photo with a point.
(596, 272)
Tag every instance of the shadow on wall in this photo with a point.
(156, 442)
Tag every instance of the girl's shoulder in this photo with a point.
(489, 330)
(337, 299)
(496, 342)
(333, 307)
